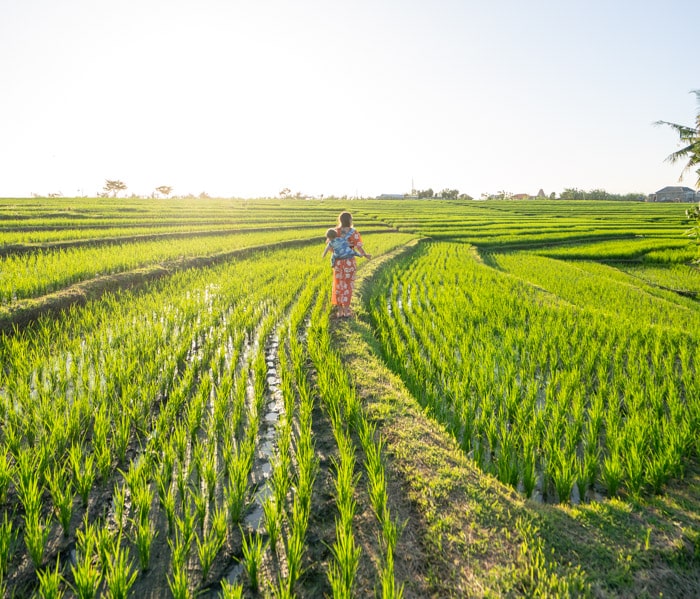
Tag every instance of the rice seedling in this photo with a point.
(178, 583)
(144, 533)
(346, 559)
(120, 574)
(6, 473)
(168, 505)
(207, 550)
(271, 513)
(8, 538)
(252, 547)
(51, 583)
(612, 473)
(230, 590)
(62, 495)
(36, 534)
(82, 465)
(86, 575)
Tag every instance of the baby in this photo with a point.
(340, 246)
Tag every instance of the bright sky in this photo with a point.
(356, 97)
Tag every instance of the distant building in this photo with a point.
(675, 194)
(391, 196)
(520, 196)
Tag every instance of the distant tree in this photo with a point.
(426, 193)
(553, 196)
(164, 190)
(465, 196)
(114, 186)
(689, 137)
(204, 196)
(693, 215)
(571, 193)
(450, 194)
(285, 193)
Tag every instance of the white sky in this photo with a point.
(246, 97)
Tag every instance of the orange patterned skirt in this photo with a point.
(343, 281)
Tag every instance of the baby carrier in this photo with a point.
(341, 247)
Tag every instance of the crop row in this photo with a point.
(556, 396)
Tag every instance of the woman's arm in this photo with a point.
(356, 243)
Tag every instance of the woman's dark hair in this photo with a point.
(345, 219)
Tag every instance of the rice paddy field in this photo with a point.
(513, 410)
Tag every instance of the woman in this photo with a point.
(344, 268)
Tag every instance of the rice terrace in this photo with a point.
(513, 410)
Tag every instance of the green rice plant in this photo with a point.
(144, 534)
(100, 445)
(294, 551)
(507, 457)
(50, 582)
(186, 523)
(563, 472)
(230, 590)
(388, 579)
(168, 505)
(182, 484)
(179, 442)
(119, 503)
(279, 477)
(529, 470)
(142, 499)
(86, 575)
(28, 483)
(36, 534)
(8, 537)
(346, 560)
(122, 435)
(236, 490)
(271, 512)
(83, 471)
(252, 547)
(61, 489)
(218, 526)
(6, 473)
(178, 583)
(207, 550)
(179, 549)
(164, 475)
(199, 505)
(633, 464)
(656, 472)
(589, 466)
(105, 544)
(612, 472)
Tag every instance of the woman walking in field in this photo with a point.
(344, 268)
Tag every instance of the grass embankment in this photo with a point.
(465, 534)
